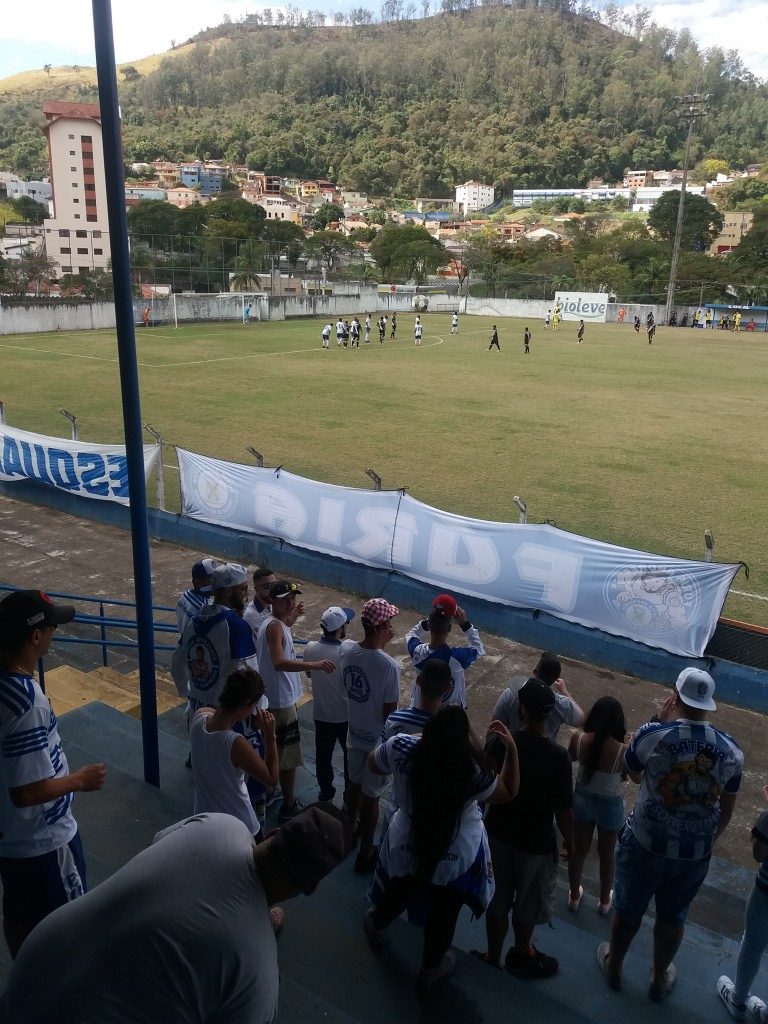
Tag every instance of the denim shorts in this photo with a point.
(642, 875)
(607, 812)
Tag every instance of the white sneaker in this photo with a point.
(724, 988)
(758, 1009)
(605, 908)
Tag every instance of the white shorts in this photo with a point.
(372, 785)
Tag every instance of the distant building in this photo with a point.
(77, 236)
(167, 173)
(140, 193)
(474, 195)
(15, 188)
(207, 177)
(637, 179)
(184, 197)
(735, 226)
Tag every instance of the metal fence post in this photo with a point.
(160, 495)
(103, 631)
(73, 422)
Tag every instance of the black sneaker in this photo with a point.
(327, 795)
(533, 964)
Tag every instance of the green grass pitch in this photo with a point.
(640, 445)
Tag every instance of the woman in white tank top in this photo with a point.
(221, 755)
(598, 748)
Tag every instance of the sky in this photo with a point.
(62, 32)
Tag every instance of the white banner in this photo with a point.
(663, 602)
(587, 306)
(80, 467)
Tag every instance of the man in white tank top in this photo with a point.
(280, 669)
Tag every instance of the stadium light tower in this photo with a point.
(691, 108)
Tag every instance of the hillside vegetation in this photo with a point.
(517, 95)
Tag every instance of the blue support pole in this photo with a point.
(129, 378)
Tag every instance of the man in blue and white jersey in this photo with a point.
(689, 774)
(429, 639)
(215, 641)
(194, 600)
(41, 856)
(433, 683)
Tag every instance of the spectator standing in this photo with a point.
(708, 319)
(689, 774)
(329, 698)
(280, 669)
(436, 846)
(598, 750)
(429, 639)
(222, 757)
(565, 712)
(736, 995)
(259, 609)
(522, 840)
(42, 865)
(372, 684)
(199, 595)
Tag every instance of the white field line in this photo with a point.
(54, 352)
(743, 593)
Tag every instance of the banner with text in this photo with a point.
(80, 467)
(587, 306)
(664, 602)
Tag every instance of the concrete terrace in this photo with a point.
(328, 973)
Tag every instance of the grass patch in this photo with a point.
(640, 445)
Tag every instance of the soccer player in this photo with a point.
(417, 332)
(622, 315)
(339, 331)
(455, 323)
(382, 325)
(547, 319)
(650, 326)
(327, 336)
(556, 319)
(247, 314)
(580, 332)
(394, 326)
(355, 332)
(527, 342)
(636, 324)
(494, 339)
(367, 328)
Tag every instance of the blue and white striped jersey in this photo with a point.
(459, 659)
(30, 751)
(686, 767)
(190, 604)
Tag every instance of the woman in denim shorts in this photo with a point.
(598, 747)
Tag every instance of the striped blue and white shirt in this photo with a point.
(686, 767)
(458, 658)
(30, 751)
(190, 604)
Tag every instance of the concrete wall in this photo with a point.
(737, 684)
(55, 316)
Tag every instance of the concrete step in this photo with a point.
(166, 688)
(69, 688)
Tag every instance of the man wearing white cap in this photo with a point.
(329, 707)
(689, 774)
(372, 684)
(215, 641)
(198, 596)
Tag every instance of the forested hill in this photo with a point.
(513, 95)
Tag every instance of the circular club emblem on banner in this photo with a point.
(652, 599)
(203, 662)
(215, 493)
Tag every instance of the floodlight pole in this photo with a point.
(692, 108)
(73, 423)
(375, 477)
(257, 455)
(160, 495)
(129, 380)
(522, 508)
(709, 542)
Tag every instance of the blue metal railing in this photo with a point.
(104, 622)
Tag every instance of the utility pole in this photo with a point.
(691, 108)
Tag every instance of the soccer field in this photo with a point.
(640, 445)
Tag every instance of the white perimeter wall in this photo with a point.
(92, 316)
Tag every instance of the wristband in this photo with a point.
(467, 625)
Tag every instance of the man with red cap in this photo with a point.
(41, 856)
(429, 639)
(372, 682)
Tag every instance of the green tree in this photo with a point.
(327, 214)
(327, 248)
(91, 284)
(407, 252)
(702, 221)
(30, 211)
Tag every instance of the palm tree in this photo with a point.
(47, 69)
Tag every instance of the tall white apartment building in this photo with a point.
(474, 195)
(77, 235)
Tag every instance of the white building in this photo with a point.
(474, 195)
(15, 188)
(77, 236)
